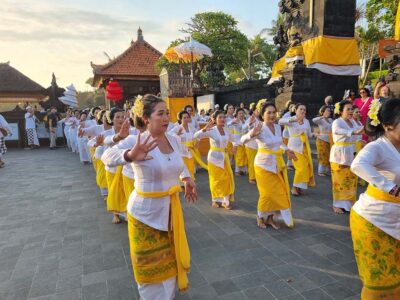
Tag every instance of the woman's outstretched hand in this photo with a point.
(140, 150)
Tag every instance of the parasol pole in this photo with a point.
(191, 68)
(180, 66)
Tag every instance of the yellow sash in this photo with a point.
(195, 153)
(182, 252)
(381, 195)
(226, 157)
(345, 144)
(280, 164)
(304, 139)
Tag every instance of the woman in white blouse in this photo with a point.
(101, 179)
(375, 217)
(345, 133)
(289, 108)
(116, 201)
(222, 184)
(299, 132)
(185, 133)
(323, 141)
(83, 149)
(251, 146)
(270, 168)
(159, 249)
(240, 155)
(73, 122)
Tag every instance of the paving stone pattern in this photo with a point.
(58, 242)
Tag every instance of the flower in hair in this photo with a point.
(108, 117)
(373, 112)
(138, 106)
(260, 104)
(337, 109)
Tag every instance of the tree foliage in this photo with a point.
(264, 56)
(91, 99)
(229, 46)
(382, 15)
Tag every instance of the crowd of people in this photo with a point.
(142, 162)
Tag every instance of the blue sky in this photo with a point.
(42, 36)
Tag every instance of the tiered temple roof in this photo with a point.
(135, 63)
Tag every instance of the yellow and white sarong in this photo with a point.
(128, 184)
(323, 149)
(251, 155)
(377, 254)
(274, 189)
(101, 178)
(304, 169)
(344, 183)
(159, 255)
(222, 184)
(116, 201)
(240, 159)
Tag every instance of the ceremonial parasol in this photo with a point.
(172, 56)
(193, 49)
(69, 97)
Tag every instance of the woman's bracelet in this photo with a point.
(126, 156)
(395, 191)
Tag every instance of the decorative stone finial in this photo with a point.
(140, 35)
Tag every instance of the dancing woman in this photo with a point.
(345, 133)
(159, 249)
(299, 132)
(374, 218)
(83, 148)
(185, 133)
(222, 184)
(270, 169)
(251, 146)
(324, 139)
(240, 155)
(116, 201)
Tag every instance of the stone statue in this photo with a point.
(291, 9)
(393, 77)
(289, 33)
(281, 41)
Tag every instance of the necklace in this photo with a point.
(167, 156)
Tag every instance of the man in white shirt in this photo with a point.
(30, 128)
(5, 130)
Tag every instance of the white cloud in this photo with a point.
(42, 39)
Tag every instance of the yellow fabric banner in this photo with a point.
(397, 25)
(279, 65)
(294, 51)
(331, 51)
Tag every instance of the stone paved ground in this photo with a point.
(57, 241)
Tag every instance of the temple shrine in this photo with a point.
(16, 89)
(134, 70)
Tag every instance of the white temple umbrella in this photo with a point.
(194, 49)
(69, 97)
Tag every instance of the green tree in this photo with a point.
(382, 14)
(263, 56)
(90, 99)
(229, 46)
